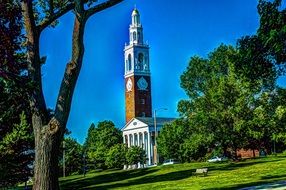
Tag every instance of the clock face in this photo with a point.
(142, 84)
(129, 85)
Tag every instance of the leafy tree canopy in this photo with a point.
(100, 139)
(73, 156)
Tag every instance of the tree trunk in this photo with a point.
(49, 132)
(47, 140)
(48, 137)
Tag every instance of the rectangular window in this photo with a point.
(142, 101)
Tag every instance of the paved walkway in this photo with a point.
(281, 185)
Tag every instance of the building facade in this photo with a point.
(140, 131)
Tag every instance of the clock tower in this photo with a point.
(137, 72)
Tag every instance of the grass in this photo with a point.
(229, 175)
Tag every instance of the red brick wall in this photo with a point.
(133, 104)
(247, 153)
(143, 94)
(129, 101)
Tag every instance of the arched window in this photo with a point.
(140, 60)
(129, 63)
(134, 36)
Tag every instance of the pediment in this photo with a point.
(134, 124)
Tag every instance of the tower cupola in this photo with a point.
(136, 29)
(135, 17)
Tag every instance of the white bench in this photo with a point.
(202, 171)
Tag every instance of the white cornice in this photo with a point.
(127, 47)
(137, 74)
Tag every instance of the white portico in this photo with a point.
(140, 131)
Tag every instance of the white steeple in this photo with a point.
(136, 52)
(136, 30)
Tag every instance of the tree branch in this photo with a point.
(101, 7)
(37, 101)
(51, 8)
(55, 16)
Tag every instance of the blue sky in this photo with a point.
(175, 31)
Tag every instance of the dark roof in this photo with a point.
(159, 120)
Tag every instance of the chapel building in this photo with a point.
(140, 128)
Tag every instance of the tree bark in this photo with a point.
(47, 140)
(37, 101)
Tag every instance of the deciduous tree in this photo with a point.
(73, 156)
(49, 130)
(262, 56)
(116, 156)
(218, 107)
(135, 155)
(99, 141)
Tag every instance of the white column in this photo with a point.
(133, 139)
(149, 148)
(138, 140)
(129, 140)
(141, 140)
(145, 143)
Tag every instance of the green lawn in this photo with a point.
(180, 176)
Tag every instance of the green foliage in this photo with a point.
(134, 155)
(116, 156)
(218, 108)
(195, 147)
(73, 157)
(99, 141)
(172, 138)
(16, 155)
(45, 9)
(263, 55)
(19, 135)
(272, 30)
(16, 135)
(224, 111)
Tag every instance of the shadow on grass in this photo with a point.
(118, 178)
(172, 176)
(251, 186)
(241, 164)
(269, 177)
(81, 182)
(268, 182)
